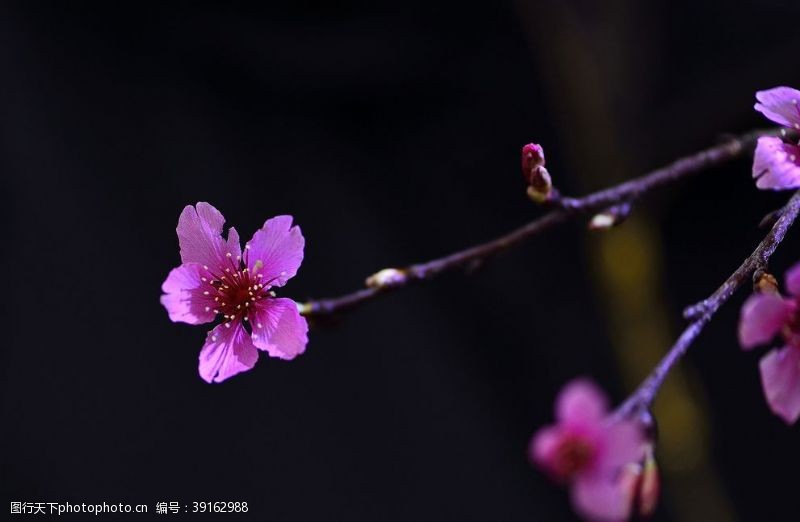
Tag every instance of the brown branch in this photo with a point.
(566, 208)
(643, 397)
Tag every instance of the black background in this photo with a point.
(391, 132)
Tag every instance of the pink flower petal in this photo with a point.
(183, 295)
(543, 447)
(780, 378)
(780, 105)
(200, 237)
(233, 244)
(581, 402)
(279, 328)
(598, 497)
(227, 351)
(776, 165)
(793, 280)
(276, 250)
(762, 317)
(622, 443)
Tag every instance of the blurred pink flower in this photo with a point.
(589, 451)
(764, 316)
(216, 279)
(776, 164)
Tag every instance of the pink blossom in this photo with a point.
(763, 317)
(216, 279)
(776, 164)
(589, 451)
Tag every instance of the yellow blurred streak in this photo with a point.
(584, 68)
(628, 271)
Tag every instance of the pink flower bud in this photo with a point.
(641, 485)
(532, 159)
(649, 486)
(540, 186)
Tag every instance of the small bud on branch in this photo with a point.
(386, 278)
(610, 217)
(540, 184)
(641, 484)
(649, 486)
(764, 282)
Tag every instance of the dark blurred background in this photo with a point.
(392, 133)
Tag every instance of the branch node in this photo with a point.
(610, 217)
(692, 312)
(388, 277)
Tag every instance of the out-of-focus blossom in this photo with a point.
(764, 316)
(776, 164)
(589, 451)
(217, 279)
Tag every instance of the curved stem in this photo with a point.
(566, 209)
(643, 397)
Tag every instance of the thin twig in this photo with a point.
(566, 209)
(643, 397)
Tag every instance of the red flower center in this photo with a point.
(236, 289)
(573, 455)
